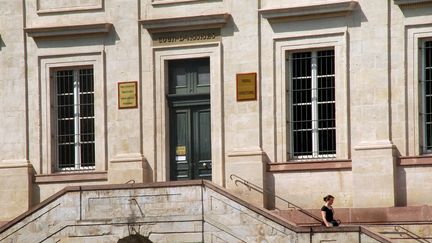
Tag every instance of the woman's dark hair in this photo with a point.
(327, 198)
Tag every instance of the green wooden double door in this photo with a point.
(190, 119)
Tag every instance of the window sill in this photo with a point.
(72, 177)
(309, 165)
(415, 160)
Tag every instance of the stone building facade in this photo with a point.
(302, 98)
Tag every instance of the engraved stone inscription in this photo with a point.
(186, 37)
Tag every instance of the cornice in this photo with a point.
(186, 23)
(69, 30)
(310, 11)
(410, 2)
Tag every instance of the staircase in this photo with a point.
(421, 233)
(397, 227)
(188, 211)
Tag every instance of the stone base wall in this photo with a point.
(194, 211)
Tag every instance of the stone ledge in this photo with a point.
(415, 160)
(70, 30)
(411, 2)
(125, 158)
(7, 164)
(70, 177)
(185, 23)
(245, 152)
(309, 165)
(310, 11)
(374, 145)
(352, 216)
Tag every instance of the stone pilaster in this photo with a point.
(128, 168)
(374, 167)
(15, 188)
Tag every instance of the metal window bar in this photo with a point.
(75, 119)
(426, 89)
(312, 95)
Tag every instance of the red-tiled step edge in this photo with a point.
(388, 215)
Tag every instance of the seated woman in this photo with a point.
(327, 212)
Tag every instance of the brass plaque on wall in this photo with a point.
(128, 95)
(246, 86)
(186, 37)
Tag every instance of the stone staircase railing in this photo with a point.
(250, 185)
(421, 233)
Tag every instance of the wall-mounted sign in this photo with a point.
(128, 95)
(185, 37)
(181, 150)
(246, 86)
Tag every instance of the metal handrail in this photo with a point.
(257, 188)
(410, 234)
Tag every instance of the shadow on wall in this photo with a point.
(319, 22)
(79, 40)
(2, 44)
(135, 238)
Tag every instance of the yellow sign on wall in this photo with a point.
(246, 86)
(127, 95)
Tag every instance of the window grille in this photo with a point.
(426, 84)
(74, 108)
(312, 95)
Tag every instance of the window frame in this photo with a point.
(314, 153)
(422, 97)
(54, 119)
(275, 80)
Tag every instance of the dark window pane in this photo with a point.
(301, 64)
(66, 156)
(302, 143)
(327, 141)
(87, 154)
(325, 62)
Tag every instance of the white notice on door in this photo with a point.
(180, 158)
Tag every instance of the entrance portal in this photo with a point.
(190, 119)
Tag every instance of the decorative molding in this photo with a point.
(68, 6)
(310, 11)
(415, 160)
(125, 158)
(375, 145)
(411, 2)
(70, 30)
(70, 177)
(7, 164)
(186, 23)
(309, 165)
(164, 2)
(245, 152)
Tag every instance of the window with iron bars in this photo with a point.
(426, 89)
(74, 113)
(311, 91)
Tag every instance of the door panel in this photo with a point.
(180, 142)
(190, 143)
(202, 143)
